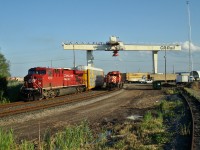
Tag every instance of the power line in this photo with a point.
(29, 62)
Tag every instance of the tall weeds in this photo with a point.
(72, 138)
(7, 141)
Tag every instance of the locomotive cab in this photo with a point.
(34, 78)
(32, 88)
(114, 80)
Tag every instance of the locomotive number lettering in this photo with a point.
(66, 79)
(68, 76)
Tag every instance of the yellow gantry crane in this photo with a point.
(115, 45)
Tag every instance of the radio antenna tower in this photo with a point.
(189, 36)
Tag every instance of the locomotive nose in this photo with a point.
(31, 80)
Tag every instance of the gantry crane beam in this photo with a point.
(127, 47)
(115, 46)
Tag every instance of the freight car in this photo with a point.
(93, 77)
(42, 82)
(136, 77)
(145, 77)
(114, 80)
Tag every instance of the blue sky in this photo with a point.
(32, 32)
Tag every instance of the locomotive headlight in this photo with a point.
(30, 81)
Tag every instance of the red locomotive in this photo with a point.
(44, 82)
(114, 80)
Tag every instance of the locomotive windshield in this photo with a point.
(33, 71)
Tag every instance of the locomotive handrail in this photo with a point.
(39, 87)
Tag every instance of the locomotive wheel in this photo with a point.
(37, 96)
(52, 94)
(46, 94)
(57, 92)
(49, 94)
(79, 89)
(40, 98)
(30, 98)
(119, 86)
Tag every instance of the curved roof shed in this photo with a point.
(195, 74)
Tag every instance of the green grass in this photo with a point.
(193, 93)
(171, 91)
(72, 138)
(7, 140)
(152, 129)
(26, 145)
(185, 129)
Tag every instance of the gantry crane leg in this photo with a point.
(90, 58)
(155, 61)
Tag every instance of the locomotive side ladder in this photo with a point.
(115, 45)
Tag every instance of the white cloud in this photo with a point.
(193, 48)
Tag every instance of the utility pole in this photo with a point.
(165, 64)
(74, 57)
(189, 35)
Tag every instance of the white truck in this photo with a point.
(183, 79)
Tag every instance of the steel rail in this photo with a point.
(20, 103)
(41, 106)
(194, 106)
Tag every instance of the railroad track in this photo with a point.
(194, 106)
(25, 107)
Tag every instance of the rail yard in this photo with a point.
(100, 75)
(104, 109)
(141, 110)
(131, 110)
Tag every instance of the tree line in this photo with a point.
(4, 74)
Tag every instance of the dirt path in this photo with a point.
(133, 100)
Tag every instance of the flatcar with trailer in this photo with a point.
(93, 77)
(145, 77)
(43, 82)
(114, 80)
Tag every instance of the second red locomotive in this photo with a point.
(114, 80)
